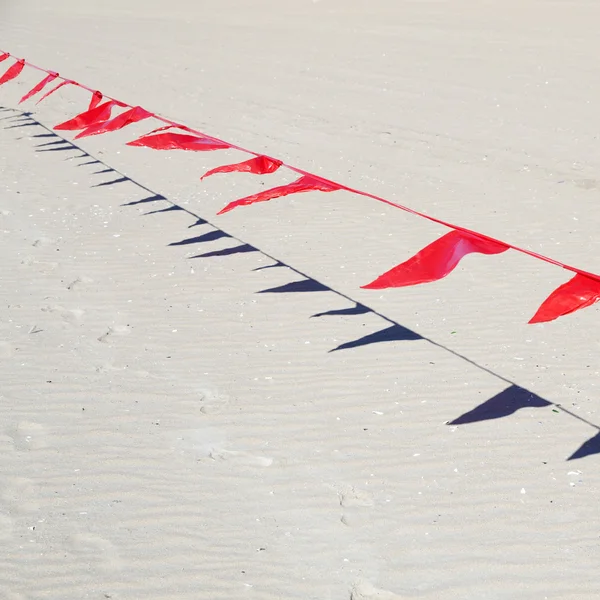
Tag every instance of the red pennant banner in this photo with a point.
(132, 115)
(39, 87)
(12, 72)
(179, 141)
(54, 89)
(436, 260)
(432, 263)
(579, 292)
(306, 183)
(261, 165)
(99, 114)
(95, 100)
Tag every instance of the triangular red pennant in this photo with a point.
(100, 114)
(54, 89)
(12, 71)
(306, 183)
(577, 293)
(133, 115)
(95, 100)
(261, 165)
(39, 87)
(436, 260)
(4, 56)
(179, 141)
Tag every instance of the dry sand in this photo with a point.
(173, 424)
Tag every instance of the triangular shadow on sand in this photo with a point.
(59, 142)
(506, 403)
(155, 198)
(358, 309)
(241, 249)
(199, 221)
(273, 266)
(591, 446)
(302, 286)
(112, 182)
(394, 333)
(164, 210)
(211, 236)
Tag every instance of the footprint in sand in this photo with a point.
(43, 241)
(351, 496)
(70, 316)
(115, 330)
(17, 495)
(211, 402)
(95, 550)
(78, 282)
(28, 436)
(365, 590)
(207, 443)
(240, 458)
(41, 266)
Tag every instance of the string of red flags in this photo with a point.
(39, 87)
(436, 260)
(577, 293)
(96, 99)
(306, 183)
(260, 165)
(12, 72)
(133, 115)
(98, 114)
(179, 141)
(432, 263)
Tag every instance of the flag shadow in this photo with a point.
(502, 405)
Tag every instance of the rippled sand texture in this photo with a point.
(210, 407)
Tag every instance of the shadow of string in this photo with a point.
(503, 404)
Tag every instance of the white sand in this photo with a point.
(166, 431)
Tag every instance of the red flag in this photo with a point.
(100, 114)
(133, 115)
(12, 71)
(4, 56)
(54, 89)
(39, 87)
(435, 260)
(179, 141)
(261, 165)
(306, 183)
(578, 292)
(95, 99)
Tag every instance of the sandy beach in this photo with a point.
(202, 406)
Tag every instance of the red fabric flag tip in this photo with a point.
(95, 99)
(436, 260)
(54, 89)
(133, 115)
(306, 183)
(86, 119)
(261, 165)
(577, 293)
(12, 71)
(39, 87)
(179, 141)
(4, 56)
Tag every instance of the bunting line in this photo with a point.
(432, 263)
